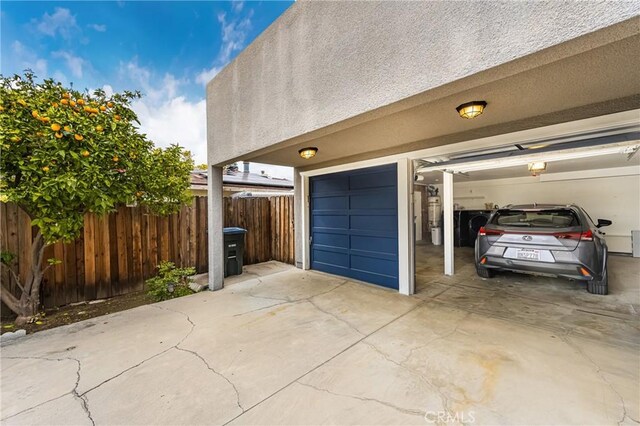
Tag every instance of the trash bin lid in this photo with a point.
(234, 230)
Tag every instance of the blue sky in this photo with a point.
(167, 49)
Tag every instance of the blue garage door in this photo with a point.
(354, 224)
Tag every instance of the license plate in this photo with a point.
(527, 254)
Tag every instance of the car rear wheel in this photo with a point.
(599, 286)
(484, 272)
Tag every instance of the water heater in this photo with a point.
(434, 211)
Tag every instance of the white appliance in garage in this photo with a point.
(434, 212)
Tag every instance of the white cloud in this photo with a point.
(166, 117)
(175, 121)
(206, 76)
(237, 5)
(98, 27)
(234, 35)
(144, 78)
(28, 59)
(271, 170)
(234, 31)
(60, 22)
(108, 90)
(74, 63)
(59, 76)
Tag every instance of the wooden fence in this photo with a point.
(117, 252)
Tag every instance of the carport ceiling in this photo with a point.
(597, 82)
(610, 161)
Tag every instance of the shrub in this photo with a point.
(170, 282)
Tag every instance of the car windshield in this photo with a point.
(555, 218)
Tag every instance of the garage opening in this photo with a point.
(600, 175)
(354, 224)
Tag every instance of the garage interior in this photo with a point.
(600, 174)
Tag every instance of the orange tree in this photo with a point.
(65, 153)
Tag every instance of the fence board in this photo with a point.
(89, 258)
(116, 253)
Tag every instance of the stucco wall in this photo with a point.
(325, 62)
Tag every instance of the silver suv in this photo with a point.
(556, 240)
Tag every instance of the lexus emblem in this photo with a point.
(527, 238)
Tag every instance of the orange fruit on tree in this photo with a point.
(67, 128)
(78, 137)
(80, 101)
(44, 119)
(54, 104)
(45, 169)
(115, 158)
(66, 95)
(64, 101)
(99, 128)
(110, 104)
(116, 117)
(103, 108)
(22, 102)
(72, 103)
(58, 135)
(85, 153)
(87, 108)
(34, 113)
(55, 127)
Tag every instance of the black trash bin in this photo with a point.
(233, 250)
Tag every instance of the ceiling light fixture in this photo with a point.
(309, 152)
(537, 167)
(471, 109)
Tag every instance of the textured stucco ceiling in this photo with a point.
(600, 81)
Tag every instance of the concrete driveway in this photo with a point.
(283, 346)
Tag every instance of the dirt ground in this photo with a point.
(55, 317)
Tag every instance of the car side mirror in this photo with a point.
(603, 222)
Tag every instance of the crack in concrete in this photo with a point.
(261, 309)
(327, 360)
(197, 355)
(361, 398)
(565, 338)
(82, 395)
(402, 364)
(342, 320)
(83, 399)
(438, 337)
(285, 301)
(73, 391)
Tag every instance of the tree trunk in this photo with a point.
(26, 305)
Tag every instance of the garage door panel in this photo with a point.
(331, 257)
(331, 239)
(374, 244)
(373, 179)
(377, 223)
(332, 183)
(373, 200)
(330, 221)
(373, 265)
(336, 202)
(354, 225)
